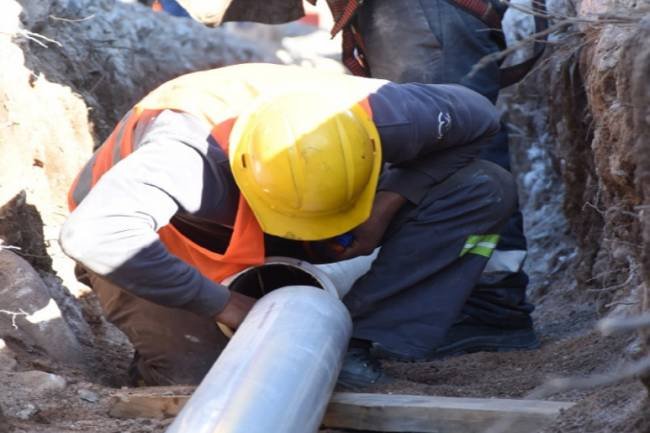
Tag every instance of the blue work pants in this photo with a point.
(435, 41)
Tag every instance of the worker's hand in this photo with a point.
(236, 310)
(368, 235)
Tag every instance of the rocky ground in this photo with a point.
(580, 148)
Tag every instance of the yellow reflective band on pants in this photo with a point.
(481, 245)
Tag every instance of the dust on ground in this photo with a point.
(570, 348)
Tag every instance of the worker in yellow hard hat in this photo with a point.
(216, 170)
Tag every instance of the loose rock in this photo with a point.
(88, 395)
(40, 381)
(7, 358)
(30, 315)
(27, 412)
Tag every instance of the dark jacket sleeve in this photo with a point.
(113, 231)
(428, 132)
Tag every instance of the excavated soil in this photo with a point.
(570, 348)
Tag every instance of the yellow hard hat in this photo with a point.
(306, 163)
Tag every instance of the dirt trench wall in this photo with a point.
(638, 145)
(601, 125)
(589, 97)
(640, 98)
(70, 70)
(590, 136)
(112, 53)
(581, 145)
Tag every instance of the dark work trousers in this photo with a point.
(426, 268)
(434, 41)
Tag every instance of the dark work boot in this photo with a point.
(360, 369)
(469, 338)
(465, 338)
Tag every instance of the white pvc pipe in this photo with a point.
(277, 373)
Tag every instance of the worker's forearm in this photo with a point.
(386, 205)
(176, 284)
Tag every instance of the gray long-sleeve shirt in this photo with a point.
(179, 174)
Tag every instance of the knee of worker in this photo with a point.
(498, 188)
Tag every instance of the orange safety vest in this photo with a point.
(246, 247)
(217, 97)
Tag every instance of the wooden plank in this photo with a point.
(425, 414)
(386, 413)
(146, 405)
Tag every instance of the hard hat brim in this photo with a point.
(315, 227)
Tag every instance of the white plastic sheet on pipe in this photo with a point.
(342, 275)
(278, 371)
